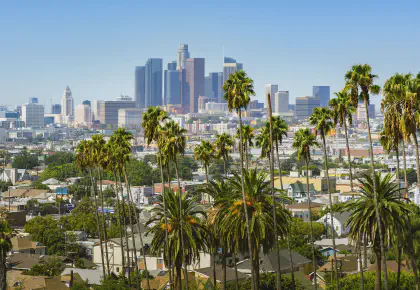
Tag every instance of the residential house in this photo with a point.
(207, 275)
(339, 220)
(93, 277)
(298, 192)
(301, 210)
(24, 261)
(27, 246)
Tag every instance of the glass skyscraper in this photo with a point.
(181, 56)
(322, 93)
(172, 84)
(230, 66)
(139, 86)
(153, 82)
(195, 81)
(213, 86)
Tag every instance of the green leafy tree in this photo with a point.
(48, 267)
(204, 152)
(59, 158)
(5, 247)
(25, 160)
(224, 145)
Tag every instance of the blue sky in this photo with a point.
(93, 46)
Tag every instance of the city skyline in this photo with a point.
(101, 67)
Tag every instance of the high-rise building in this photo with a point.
(202, 101)
(108, 110)
(130, 118)
(230, 66)
(139, 86)
(181, 56)
(213, 86)
(322, 93)
(33, 115)
(361, 112)
(83, 114)
(195, 81)
(185, 91)
(272, 90)
(67, 105)
(281, 102)
(172, 85)
(154, 82)
(56, 109)
(305, 106)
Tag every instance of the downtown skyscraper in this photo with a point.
(195, 70)
(67, 104)
(153, 82)
(140, 86)
(230, 66)
(181, 56)
(322, 93)
(172, 85)
(213, 86)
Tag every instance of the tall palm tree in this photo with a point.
(238, 91)
(151, 123)
(5, 247)
(361, 82)
(280, 128)
(322, 118)
(173, 142)
(343, 109)
(231, 216)
(392, 209)
(204, 152)
(223, 145)
(186, 216)
(303, 142)
(247, 136)
(85, 161)
(100, 162)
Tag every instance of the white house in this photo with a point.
(339, 220)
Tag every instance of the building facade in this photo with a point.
(130, 118)
(281, 102)
(67, 105)
(230, 66)
(195, 81)
(55, 109)
(322, 93)
(139, 86)
(172, 93)
(153, 82)
(213, 86)
(181, 56)
(33, 115)
(305, 106)
(83, 115)
(272, 90)
(108, 111)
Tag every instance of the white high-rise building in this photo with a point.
(33, 115)
(281, 102)
(67, 105)
(181, 56)
(272, 90)
(83, 115)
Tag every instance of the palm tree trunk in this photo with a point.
(348, 155)
(416, 143)
(257, 268)
(224, 269)
(235, 266)
(97, 220)
(214, 270)
(310, 224)
(365, 242)
(184, 257)
(3, 281)
(120, 222)
(375, 186)
(331, 209)
(246, 154)
(166, 222)
(123, 203)
(224, 166)
(103, 221)
(399, 247)
(378, 282)
(359, 257)
(140, 237)
(279, 164)
(248, 225)
(405, 165)
(271, 163)
(207, 180)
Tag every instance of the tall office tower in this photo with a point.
(272, 90)
(181, 56)
(154, 82)
(33, 100)
(213, 86)
(281, 102)
(230, 66)
(322, 93)
(56, 109)
(195, 81)
(83, 114)
(139, 86)
(33, 115)
(185, 91)
(108, 110)
(305, 106)
(67, 105)
(172, 85)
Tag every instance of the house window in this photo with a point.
(118, 269)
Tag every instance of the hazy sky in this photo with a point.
(93, 46)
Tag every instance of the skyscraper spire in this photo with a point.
(67, 104)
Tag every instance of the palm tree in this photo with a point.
(223, 145)
(151, 121)
(321, 118)
(100, 162)
(238, 90)
(231, 216)
(184, 224)
(361, 82)
(5, 247)
(280, 128)
(262, 140)
(247, 135)
(173, 142)
(85, 161)
(304, 140)
(392, 209)
(204, 152)
(343, 109)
